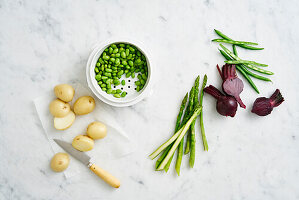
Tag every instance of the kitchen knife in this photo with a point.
(85, 159)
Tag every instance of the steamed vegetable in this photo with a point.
(64, 92)
(96, 130)
(226, 105)
(59, 108)
(231, 85)
(60, 162)
(263, 106)
(83, 143)
(62, 123)
(84, 105)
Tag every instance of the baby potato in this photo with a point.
(60, 162)
(62, 123)
(59, 108)
(96, 130)
(83, 143)
(64, 92)
(84, 105)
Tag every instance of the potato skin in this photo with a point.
(64, 92)
(83, 143)
(84, 105)
(96, 130)
(60, 162)
(59, 108)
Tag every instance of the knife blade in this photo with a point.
(85, 159)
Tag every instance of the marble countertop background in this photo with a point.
(43, 43)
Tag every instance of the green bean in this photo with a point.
(234, 42)
(243, 46)
(255, 75)
(236, 62)
(116, 95)
(192, 127)
(177, 126)
(202, 128)
(235, 50)
(123, 82)
(240, 69)
(123, 94)
(247, 65)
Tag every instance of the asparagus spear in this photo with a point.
(178, 139)
(191, 100)
(177, 127)
(181, 145)
(192, 127)
(202, 128)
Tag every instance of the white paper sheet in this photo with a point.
(115, 145)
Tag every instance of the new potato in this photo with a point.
(96, 130)
(84, 105)
(62, 123)
(83, 143)
(59, 108)
(60, 162)
(64, 92)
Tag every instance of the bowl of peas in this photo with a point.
(119, 73)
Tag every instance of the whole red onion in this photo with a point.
(226, 105)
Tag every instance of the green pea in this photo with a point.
(116, 95)
(121, 66)
(96, 70)
(104, 89)
(142, 82)
(121, 72)
(144, 76)
(133, 75)
(127, 52)
(142, 71)
(106, 57)
(112, 55)
(113, 46)
(117, 61)
(131, 63)
(107, 74)
(123, 82)
(110, 50)
(103, 85)
(118, 91)
(138, 61)
(113, 92)
(143, 57)
(117, 55)
(129, 57)
(123, 54)
(121, 50)
(98, 64)
(137, 70)
(98, 77)
(128, 67)
(132, 49)
(128, 74)
(137, 82)
(123, 94)
(139, 76)
(100, 82)
(114, 74)
(114, 68)
(109, 91)
(137, 88)
(112, 59)
(138, 53)
(124, 62)
(115, 50)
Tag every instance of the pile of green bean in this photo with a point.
(243, 66)
(120, 60)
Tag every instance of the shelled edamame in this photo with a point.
(120, 61)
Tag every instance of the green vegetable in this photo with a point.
(192, 127)
(234, 42)
(241, 45)
(123, 82)
(236, 62)
(235, 50)
(247, 65)
(202, 128)
(177, 137)
(123, 94)
(116, 95)
(191, 101)
(177, 127)
(118, 91)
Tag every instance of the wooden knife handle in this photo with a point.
(106, 176)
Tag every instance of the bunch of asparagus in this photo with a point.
(190, 109)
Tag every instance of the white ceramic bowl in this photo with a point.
(132, 96)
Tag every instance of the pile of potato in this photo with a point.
(64, 117)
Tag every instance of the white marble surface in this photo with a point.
(43, 43)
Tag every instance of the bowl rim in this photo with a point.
(92, 83)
